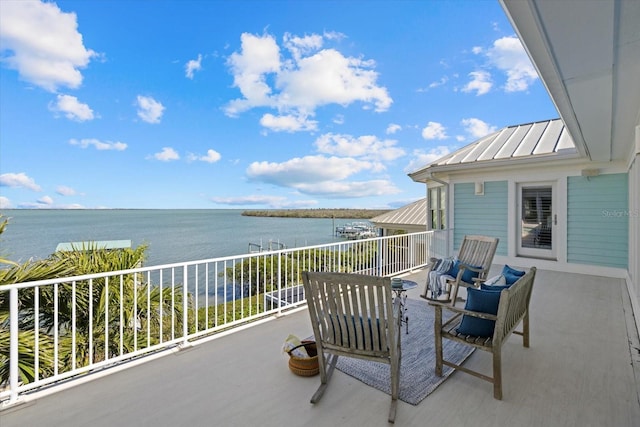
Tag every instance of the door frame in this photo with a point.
(529, 252)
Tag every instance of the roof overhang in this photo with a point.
(435, 172)
(587, 54)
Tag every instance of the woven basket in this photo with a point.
(305, 366)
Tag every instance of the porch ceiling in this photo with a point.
(588, 56)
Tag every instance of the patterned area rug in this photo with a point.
(418, 364)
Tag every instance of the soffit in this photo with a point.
(588, 56)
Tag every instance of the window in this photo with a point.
(437, 208)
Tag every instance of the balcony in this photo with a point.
(583, 368)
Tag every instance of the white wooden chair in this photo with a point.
(475, 257)
(354, 315)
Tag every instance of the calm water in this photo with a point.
(172, 235)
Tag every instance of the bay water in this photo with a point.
(172, 235)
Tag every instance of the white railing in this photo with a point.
(63, 328)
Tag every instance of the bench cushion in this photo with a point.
(484, 301)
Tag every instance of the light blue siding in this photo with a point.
(598, 220)
(485, 215)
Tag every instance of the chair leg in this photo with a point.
(395, 388)
(525, 330)
(438, 340)
(327, 367)
(453, 292)
(497, 374)
(392, 411)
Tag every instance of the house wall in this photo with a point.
(633, 281)
(598, 220)
(485, 214)
(497, 214)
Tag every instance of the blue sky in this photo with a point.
(249, 104)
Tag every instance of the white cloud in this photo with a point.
(72, 108)
(212, 156)
(192, 66)
(46, 48)
(98, 145)
(477, 128)
(259, 56)
(18, 180)
(508, 55)
(422, 158)
(288, 123)
(65, 191)
(5, 203)
(393, 128)
(296, 85)
(149, 110)
(434, 130)
(45, 200)
(443, 80)
(166, 155)
(320, 175)
(309, 169)
(480, 82)
(349, 189)
(367, 147)
(270, 201)
(299, 46)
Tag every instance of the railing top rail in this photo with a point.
(184, 264)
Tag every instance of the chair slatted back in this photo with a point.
(478, 251)
(513, 306)
(351, 312)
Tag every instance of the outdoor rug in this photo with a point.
(417, 367)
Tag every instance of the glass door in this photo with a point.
(537, 219)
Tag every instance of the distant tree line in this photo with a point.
(318, 213)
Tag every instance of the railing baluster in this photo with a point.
(55, 329)
(185, 309)
(106, 318)
(13, 345)
(36, 323)
(268, 275)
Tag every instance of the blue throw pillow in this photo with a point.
(483, 301)
(469, 275)
(508, 270)
(511, 275)
(510, 279)
(453, 271)
(495, 288)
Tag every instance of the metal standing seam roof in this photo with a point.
(412, 214)
(526, 140)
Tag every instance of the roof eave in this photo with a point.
(426, 174)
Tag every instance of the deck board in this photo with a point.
(578, 371)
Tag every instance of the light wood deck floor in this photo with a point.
(581, 370)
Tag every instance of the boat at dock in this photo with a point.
(356, 230)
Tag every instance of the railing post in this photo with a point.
(13, 346)
(279, 278)
(185, 308)
(379, 260)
